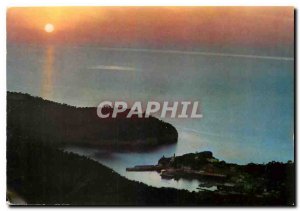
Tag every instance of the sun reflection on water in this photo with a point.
(47, 76)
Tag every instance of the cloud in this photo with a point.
(199, 53)
(112, 67)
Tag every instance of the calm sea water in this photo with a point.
(187, 142)
(247, 103)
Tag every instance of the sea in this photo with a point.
(246, 97)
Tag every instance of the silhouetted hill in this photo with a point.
(272, 179)
(42, 174)
(62, 124)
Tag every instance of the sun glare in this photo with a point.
(49, 28)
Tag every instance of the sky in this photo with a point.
(153, 27)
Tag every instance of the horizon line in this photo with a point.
(200, 53)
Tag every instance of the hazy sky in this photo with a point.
(158, 27)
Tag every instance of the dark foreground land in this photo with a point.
(39, 172)
(42, 174)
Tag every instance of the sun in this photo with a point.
(49, 28)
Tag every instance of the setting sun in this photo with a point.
(49, 27)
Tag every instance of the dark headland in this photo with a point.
(62, 124)
(272, 179)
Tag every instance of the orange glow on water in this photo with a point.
(47, 75)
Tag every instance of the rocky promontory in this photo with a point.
(62, 124)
